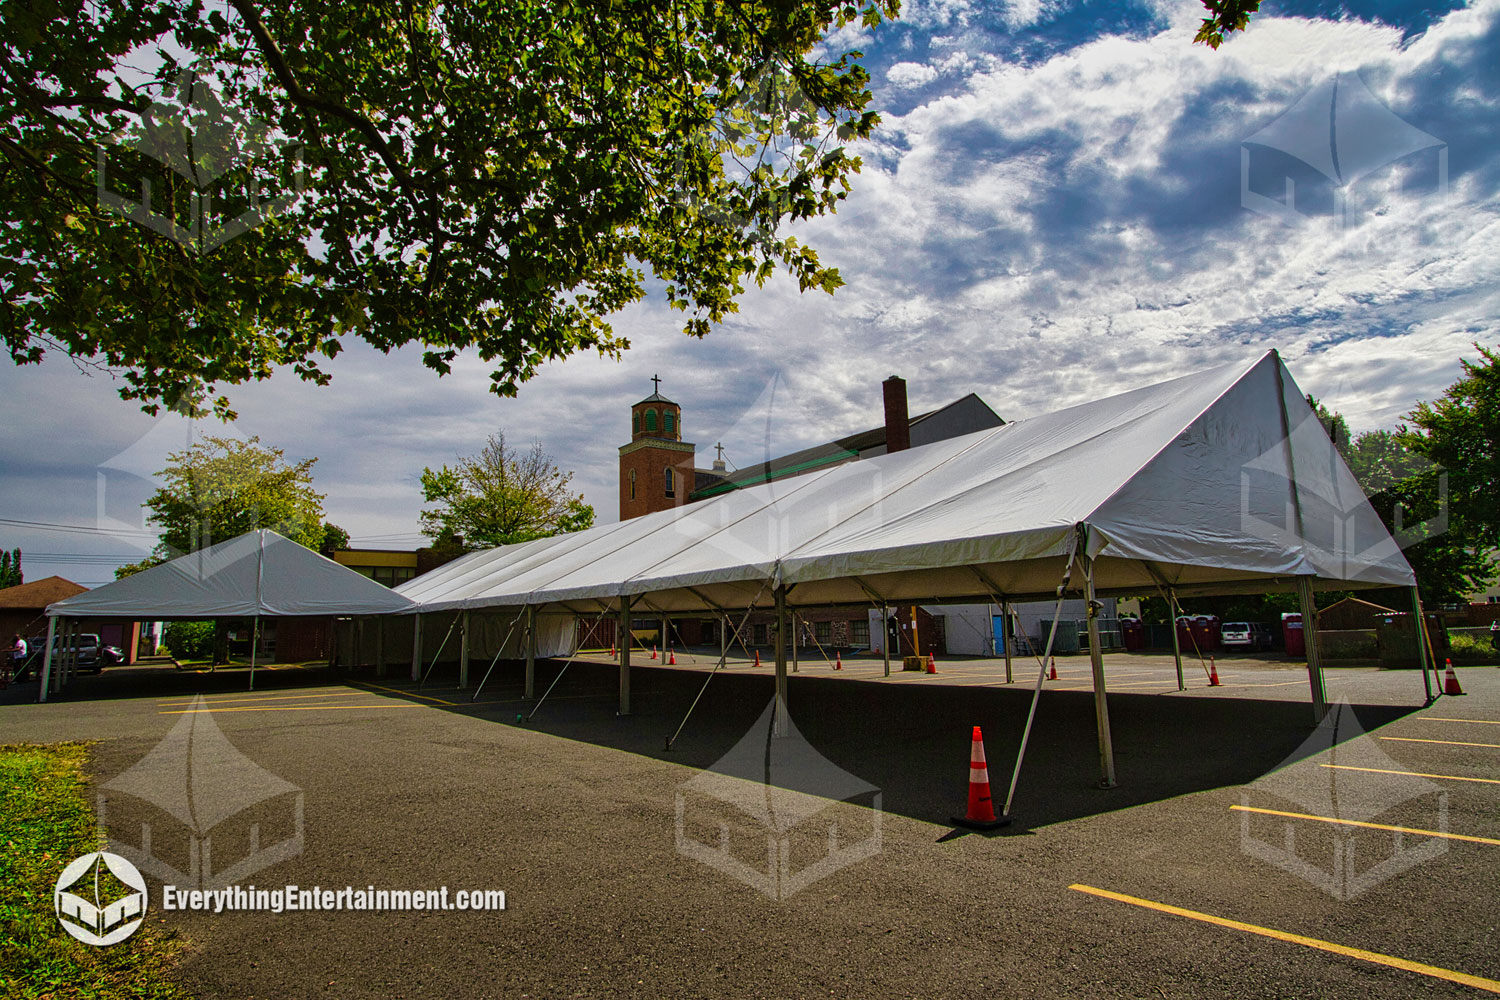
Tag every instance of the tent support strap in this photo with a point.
(1310, 640)
(780, 727)
(1101, 698)
(47, 659)
(499, 651)
(1036, 692)
(723, 659)
(441, 646)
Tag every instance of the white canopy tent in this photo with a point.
(257, 573)
(1221, 481)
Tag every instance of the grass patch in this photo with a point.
(45, 822)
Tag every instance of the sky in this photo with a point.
(1060, 204)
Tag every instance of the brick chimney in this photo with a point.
(897, 423)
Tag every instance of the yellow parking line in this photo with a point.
(410, 694)
(282, 708)
(1375, 957)
(1482, 722)
(279, 697)
(1414, 774)
(1446, 743)
(1368, 826)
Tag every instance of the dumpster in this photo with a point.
(1133, 634)
(1066, 642)
(1291, 634)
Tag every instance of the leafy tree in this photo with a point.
(1461, 433)
(1225, 18)
(498, 177)
(1334, 425)
(500, 496)
(189, 640)
(334, 539)
(131, 569)
(223, 487)
(10, 569)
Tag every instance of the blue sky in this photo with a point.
(1052, 212)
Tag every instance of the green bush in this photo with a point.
(1471, 647)
(189, 640)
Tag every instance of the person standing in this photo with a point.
(17, 656)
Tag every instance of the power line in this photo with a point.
(81, 529)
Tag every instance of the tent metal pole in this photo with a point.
(1422, 651)
(1310, 641)
(723, 637)
(885, 636)
(463, 653)
(1005, 636)
(254, 642)
(47, 659)
(780, 727)
(530, 652)
(1176, 642)
(416, 646)
(441, 646)
(1424, 637)
(1101, 698)
(625, 640)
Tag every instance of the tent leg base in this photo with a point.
(1106, 783)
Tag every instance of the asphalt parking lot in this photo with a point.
(1244, 853)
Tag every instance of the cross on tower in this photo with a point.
(655, 384)
(720, 449)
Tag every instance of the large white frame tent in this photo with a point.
(1217, 482)
(254, 574)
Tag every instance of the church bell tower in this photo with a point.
(656, 467)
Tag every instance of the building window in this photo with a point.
(823, 632)
(859, 633)
(632, 484)
(669, 421)
(650, 421)
(635, 422)
(667, 475)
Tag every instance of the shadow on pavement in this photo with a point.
(912, 741)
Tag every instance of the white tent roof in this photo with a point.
(1219, 481)
(257, 573)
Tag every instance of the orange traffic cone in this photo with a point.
(1450, 681)
(1052, 676)
(671, 658)
(838, 661)
(1213, 673)
(981, 814)
(931, 664)
(611, 651)
(757, 657)
(653, 652)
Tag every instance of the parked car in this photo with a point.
(1246, 635)
(92, 656)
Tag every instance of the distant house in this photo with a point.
(23, 610)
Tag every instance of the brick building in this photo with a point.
(658, 471)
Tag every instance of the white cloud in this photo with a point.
(905, 75)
